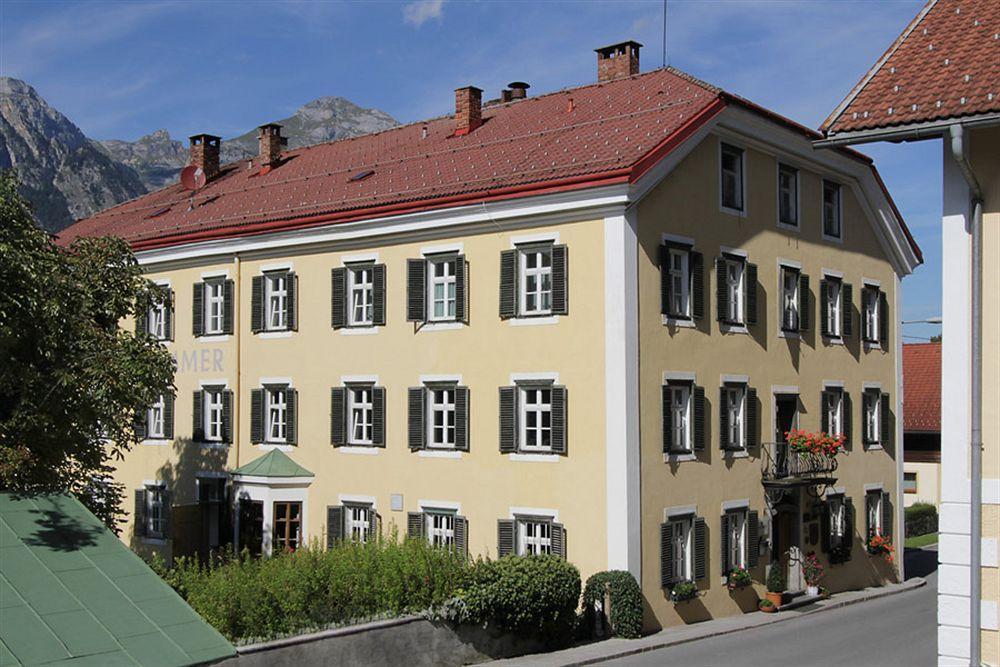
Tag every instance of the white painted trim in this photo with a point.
(788, 227)
(733, 328)
(783, 389)
(216, 273)
(790, 335)
(156, 442)
(269, 335)
(875, 486)
(680, 323)
(428, 327)
(540, 237)
(837, 491)
(535, 458)
(743, 176)
(736, 454)
(735, 252)
(214, 383)
(515, 512)
(833, 384)
(154, 482)
(676, 238)
(789, 263)
(534, 377)
(871, 385)
(426, 505)
(686, 376)
(163, 282)
(457, 379)
(280, 266)
(272, 482)
(212, 338)
(680, 458)
(738, 379)
(679, 510)
(870, 282)
(359, 331)
(359, 449)
(457, 248)
(742, 503)
(358, 379)
(840, 210)
(275, 380)
(832, 274)
(359, 258)
(359, 499)
(533, 321)
(268, 446)
(440, 453)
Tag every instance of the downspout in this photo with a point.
(976, 430)
(238, 394)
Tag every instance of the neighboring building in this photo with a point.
(576, 323)
(73, 594)
(922, 423)
(941, 78)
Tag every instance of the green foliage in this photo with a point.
(254, 599)
(528, 595)
(920, 519)
(738, 578)
(626, 602)
(683, 591)
(765, 604)
(72, 379)
(776, 579)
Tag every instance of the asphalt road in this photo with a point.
(897, 630)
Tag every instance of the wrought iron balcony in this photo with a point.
(780, 465)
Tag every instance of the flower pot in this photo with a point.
(775, 598)
(812, 590)
(768, 610)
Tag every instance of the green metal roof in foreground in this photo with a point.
(273, 464)
(71, 592)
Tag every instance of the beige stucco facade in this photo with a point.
(928, 483)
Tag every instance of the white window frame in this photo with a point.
(790, 316)
(833, 305)
(361, 414)
(155, 516)
(449, 285)
(737, 538)
(440, 527)
(215, 306)
(736, 413)
(534, 535)
(682, 566)
(680, 277)
(838, 515)
(794, 196)
(156, 419)
(358, 519)
(837, 209)
(680, 417)
(444, 408)
(874, 510)
(276, 414)
(213, 398)
(872, 401)
(740, 177)
(276, 301)
(156, 321)
(870, 313)
(734, 290)
(834, 410)
(539, 409)
(539, 273)
(361, 294)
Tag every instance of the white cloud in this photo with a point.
(419, 12)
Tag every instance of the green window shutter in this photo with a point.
(416, 420)
(560, 280)
(887, 514)
(668, 430)
(256, 415)
(869, 501)
(753, 540)
(168, 315)
(508, 419)
(168, 416)
(461, 535)
(139, 513)
(696, 264)
(721, 294)
(883, 320)
(415, 522)
(227, 307)
(257, 304)
(374, 524)
(462, 419)
(416, 290)
(826, 538)
(140, 424)
(724, 544)
(848, 543)
(699, 418)
(198, 414)
(665, 288)
(378, 416)
(846, 311)
(723, 419)
(505, 537)
(338, 297)
(461, 290)
(291, 410)
(805, 303)
(167, 513)
(338, 416)
(847, 411)
(824, 416)
(508, 284)
(378, 295)
(198, 310)
(700, 548)
(558, 540)
(666, 554)
(559, 420)
(886, 427)
(753, 427)
(291, 300)
(334, 525)
(142, 322)
(750, 285)
(825, 295)
(227, 415)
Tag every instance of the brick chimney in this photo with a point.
(205, 154)
(618, 61)
(270, 141)
(518, 90)
(468, 109)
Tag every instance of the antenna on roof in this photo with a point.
(664, 33)
(193, 179)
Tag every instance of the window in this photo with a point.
(680, 282)
(156, 321)
(277, 414)
(734, 290)
(440, 528)
(734, 409)
(361, 414)
(536, 281)
(287, 526)
(442, 416)
(788, 195)
(213, 413)
(276, 300)
(831, 209)
(838, 519)
(909, 482)
(215, 303)
(362, 295)
(870, 312)
(732, 177)
(873, 417)
(156, 418)
(534, 537)
(832, 307)
(680, 416)
(736, 539)
(536, 418)
(156, 522)
(873, 512)
(441, 288)
(833, 412)
(359, 522)
(789, 299)
(681, 568)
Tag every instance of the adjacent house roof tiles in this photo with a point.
(945, 64)
(922, 387)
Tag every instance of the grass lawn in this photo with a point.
(918, 541)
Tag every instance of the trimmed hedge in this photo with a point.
(920, 519)
(626, 602)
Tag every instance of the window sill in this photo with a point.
(533, 320)
(213, 444)
(367, 330)
(156, 442)
(449, 325)
(368, 450)
(833, 239)
(679, 457)
(791, 335)
(680, 322)
(874, 447)
(534, 457)
(833, 339)
(212, 338)
(733, 328)
(439, 453)
(154, 541)
(268, 446)
(736, 453)
(742, 213)
(789, 227)
(266, 335)
(870, 346)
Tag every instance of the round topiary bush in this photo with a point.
(626, 602)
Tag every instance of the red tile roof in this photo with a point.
(922, 387)
(603, 133)
(945, 64)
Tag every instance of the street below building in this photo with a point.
(900, 630)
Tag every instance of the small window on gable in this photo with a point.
(788, 195)
(831, 210)
(731, 175)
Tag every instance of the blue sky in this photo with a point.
(123, 69)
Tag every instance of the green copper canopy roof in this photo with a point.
(72, 592)
(273, 464)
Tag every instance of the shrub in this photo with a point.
(920, 519)
(626, 602)
(528, 595)
(776, 579)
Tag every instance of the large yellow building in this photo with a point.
(578, 323)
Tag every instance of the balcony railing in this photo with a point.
(780, 463)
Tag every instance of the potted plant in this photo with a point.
(767, 606)
(776, 584)
(683, 591)
(880, 545)
(738, 578)
(812, 571)
(821, 443)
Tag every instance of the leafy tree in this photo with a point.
(71, 379)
